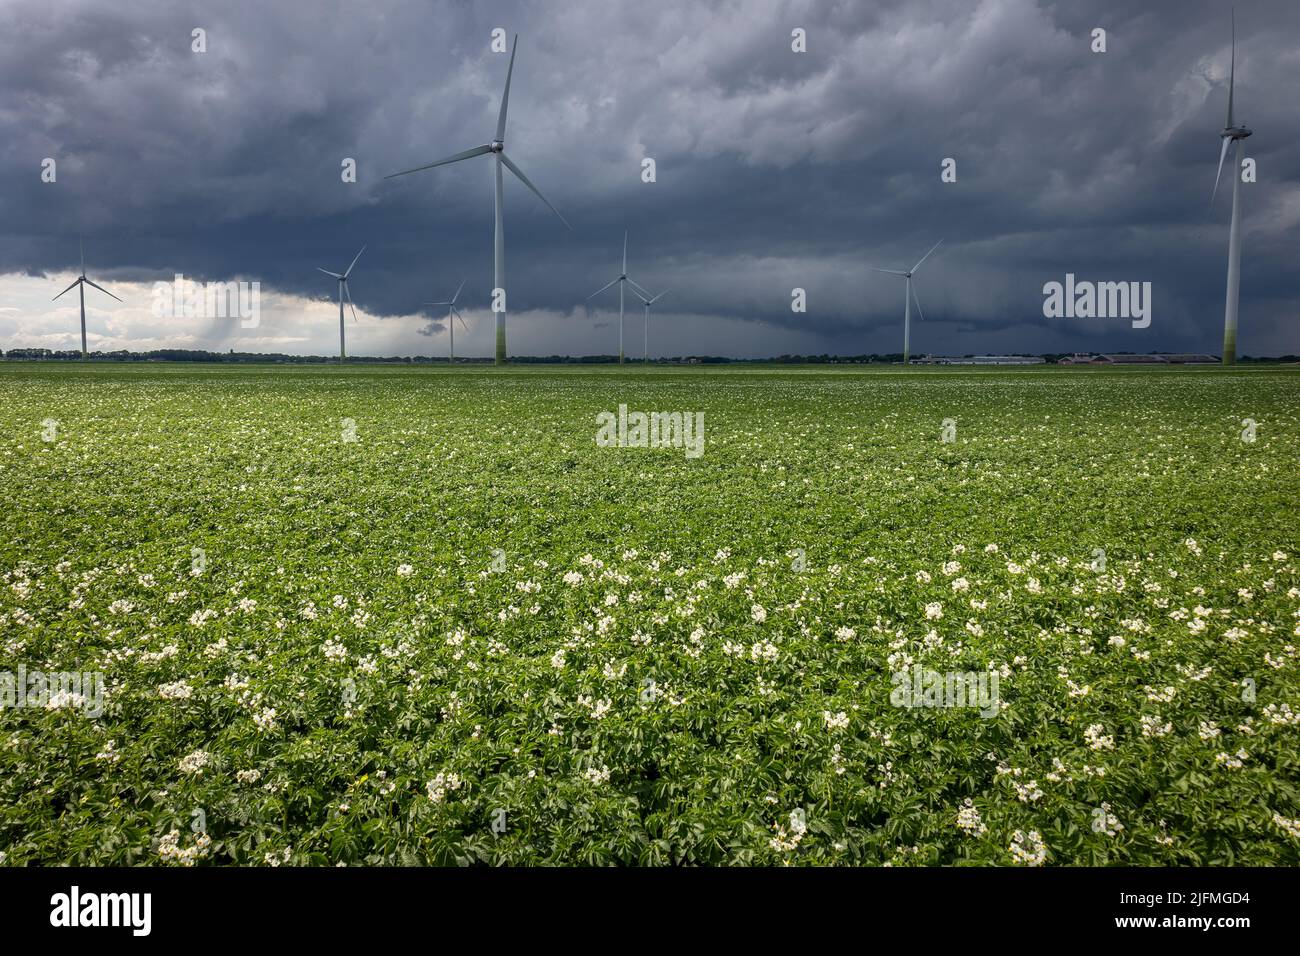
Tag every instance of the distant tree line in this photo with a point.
(279, 358)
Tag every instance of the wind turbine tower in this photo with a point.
(453, 314)
(496, 149)
(622, 280)
(908, 295)
(344, 291)
(1232, 136)
(82, 281)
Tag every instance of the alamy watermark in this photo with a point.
(1098, 300)
(916, 686)
(651, 430)
(132, 911)
(184, 299)
(53, 691)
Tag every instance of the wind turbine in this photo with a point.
(453, 313)
(1232, 134)
(908, 296)
(497, 149)
(645, 355)
(343, 290)
(622, 278)
(82, 281)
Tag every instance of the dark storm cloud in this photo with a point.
(775, 170)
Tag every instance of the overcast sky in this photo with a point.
(775, 170)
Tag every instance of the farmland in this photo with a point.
(383, 615)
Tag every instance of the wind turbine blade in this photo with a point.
(458, 288)
(437, 303)
(505, 97)
(354, 262)
(1232, 70)
(917, 300)
(100, 288)
(927, 255)
(892, 272)
(601, 289)
(624, 252)
(328, 273)
(659, 296)
(348, 293)
(476, 151)
(69, 288)
(1223, 153)
(640, 291)
(527, 182)
(82, 243)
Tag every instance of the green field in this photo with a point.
(349, 615)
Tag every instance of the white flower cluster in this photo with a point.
(1282, 715)
(194, 762)
(1098, 739)
(788, 841)
(598, 708)
(169, 848)
(968, 818)
(109, 753)
(1027, 792)
(1292, 827)
(1152, 727)
(177, 690)
(441, 785)
(1106, 822)
(1232, 761)
(1028, 848)
(837, 721)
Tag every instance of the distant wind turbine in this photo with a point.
(343, 290)
(497, 148)
(82, 281)
(1232, 134)
(908, 296)
(645, 354)
(621, 280)
(453, 313)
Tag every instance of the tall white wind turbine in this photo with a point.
(496, 148)
(621, 281)
(82, 281)
(645, 329)
(908, 296)
(343, 290)
(453, 314)
(1232, 135)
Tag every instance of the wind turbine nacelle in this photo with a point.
(1236, 132)
(497, 146)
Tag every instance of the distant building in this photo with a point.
(980, 360)
(1169, 358)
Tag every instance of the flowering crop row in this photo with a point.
(362, 616)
